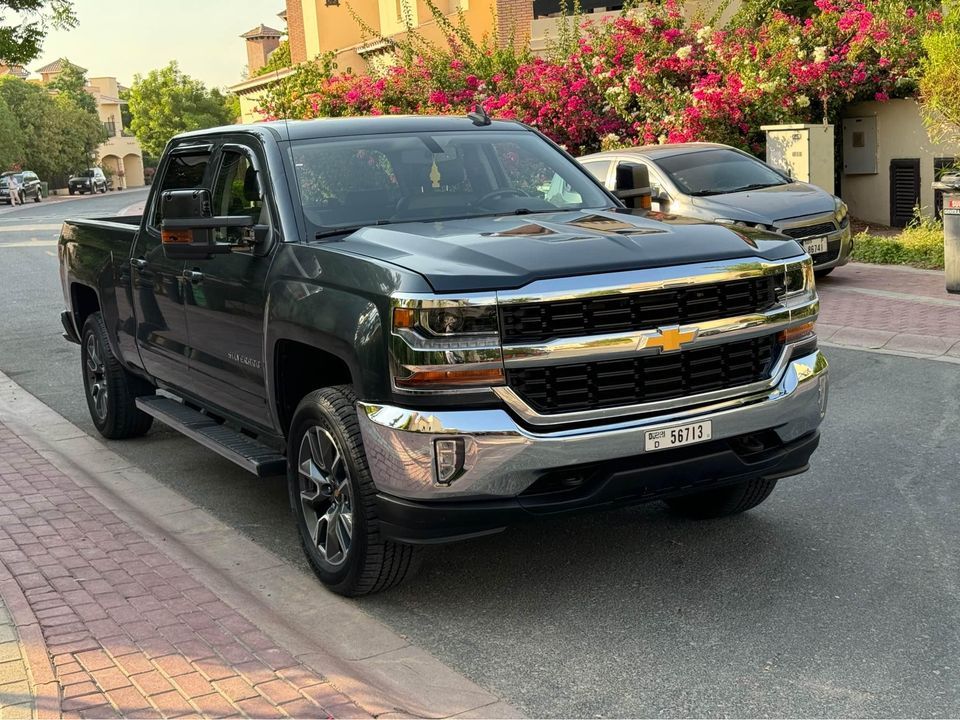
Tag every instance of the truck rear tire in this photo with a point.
(723, 501)
(111, 391)
(332, 496)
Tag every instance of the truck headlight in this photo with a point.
(446, 344)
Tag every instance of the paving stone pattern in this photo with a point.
(16, 698)
(130, 632)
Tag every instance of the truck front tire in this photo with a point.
(723, 501)
(111, 391)
(332, 496)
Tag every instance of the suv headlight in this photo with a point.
(840, 211)
(446, 344)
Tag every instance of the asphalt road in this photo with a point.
(840, 596)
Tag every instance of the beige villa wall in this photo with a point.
(900, 134)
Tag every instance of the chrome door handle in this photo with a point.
(193, 276)
(139, 263)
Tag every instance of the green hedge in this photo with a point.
(920, 246)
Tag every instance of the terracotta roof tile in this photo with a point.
(261, 31)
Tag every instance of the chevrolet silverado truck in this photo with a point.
(435, 328)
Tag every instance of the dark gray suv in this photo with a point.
(28, 183)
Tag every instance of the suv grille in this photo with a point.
(610, 383)
(533, 322)
(810, 230)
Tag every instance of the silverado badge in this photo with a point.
(670, 339)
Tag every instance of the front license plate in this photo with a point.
(815, 245)
(679, 435)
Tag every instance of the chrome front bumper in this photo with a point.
(502, 458)
(846, 248)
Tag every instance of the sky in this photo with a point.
(120, 38)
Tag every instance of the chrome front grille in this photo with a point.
(645, 378)
(535, 322)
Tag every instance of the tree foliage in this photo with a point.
(11, 150)
(72, 82)
(55, 136)
(940, 77)
(167, 102)
(21, 42)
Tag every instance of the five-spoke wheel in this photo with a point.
(326, 498)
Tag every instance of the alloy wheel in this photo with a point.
(96, 377)
(326, 497)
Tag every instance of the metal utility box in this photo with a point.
(950, 186)
(860, 146)
(804, 152)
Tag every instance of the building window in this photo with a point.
(110, 127)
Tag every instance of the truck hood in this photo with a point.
(768, 205)
(507, 252)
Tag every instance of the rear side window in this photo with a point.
(597, 168)
(183, 171)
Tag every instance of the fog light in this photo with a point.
(449, 460)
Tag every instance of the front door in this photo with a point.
(226, 296)
(158, 292)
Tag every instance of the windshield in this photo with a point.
(715, 172)
(378, 179)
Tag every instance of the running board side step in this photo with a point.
(234, 446)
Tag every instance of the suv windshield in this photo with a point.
(715, 172)
(377, 179)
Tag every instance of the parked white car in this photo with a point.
(721, 184)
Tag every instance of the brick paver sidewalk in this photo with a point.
(16, 695)
(129, 631)
(891, 308)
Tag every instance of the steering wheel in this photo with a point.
(502, 192)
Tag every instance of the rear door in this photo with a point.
(158, 283)
(226, 294)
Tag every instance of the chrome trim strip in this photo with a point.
(639, 281)
(519, 406)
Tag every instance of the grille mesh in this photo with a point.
(641, 379)
(534, 322)
(810, 230)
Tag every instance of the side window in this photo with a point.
(237, 191)
(598, 168)
(183, 171)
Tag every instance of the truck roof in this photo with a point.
(368, 125)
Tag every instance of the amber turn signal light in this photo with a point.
(176, 237)
(404, 317)
(798, 332)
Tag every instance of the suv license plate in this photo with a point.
(678, 435)
(815, 245)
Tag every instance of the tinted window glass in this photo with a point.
(402, 177)
(237, 192)
(183, 172)
(714, 172)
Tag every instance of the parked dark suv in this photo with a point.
(91, 180)
(29, 186)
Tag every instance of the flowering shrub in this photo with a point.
(650, 77)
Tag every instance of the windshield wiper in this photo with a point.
(754, 186)
(347, 230)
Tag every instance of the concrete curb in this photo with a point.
(360, 656)
(33, 648)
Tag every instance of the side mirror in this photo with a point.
(187, 225)
(633, 185)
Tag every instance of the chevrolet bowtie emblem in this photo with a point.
(670, 339)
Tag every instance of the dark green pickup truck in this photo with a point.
(438, 327)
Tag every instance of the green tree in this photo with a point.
(167, 102)
(21, 42)
(56, 136)
(11, 149)
(72, 82)
(940, 77)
